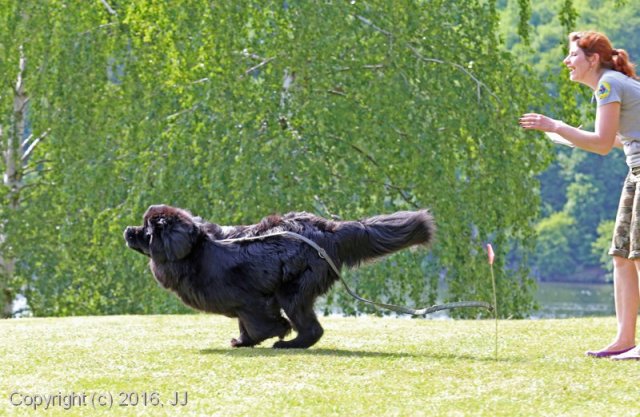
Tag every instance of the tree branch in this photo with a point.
(358, 149)
(105, 25)
(260, 65)
(29, 151)
(181, 112)
(248, 54)
(377, 28)
(35, 170)
(479, 84)
(337, 92)
(109, 9)
(389, 183)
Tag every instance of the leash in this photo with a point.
(398, 309)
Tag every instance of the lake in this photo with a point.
(556, 300)
(562, 300)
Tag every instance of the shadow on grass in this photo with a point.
(267, 352)
(251, 352)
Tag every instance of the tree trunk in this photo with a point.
(16, 156)
(6, 294)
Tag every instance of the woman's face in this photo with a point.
(578, 63)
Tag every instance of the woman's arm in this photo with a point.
(601, 141)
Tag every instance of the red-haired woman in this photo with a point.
(592, 61)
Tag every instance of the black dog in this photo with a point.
(256, 280)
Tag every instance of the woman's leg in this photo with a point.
(629, 314)
(627, 300)
(625, 270)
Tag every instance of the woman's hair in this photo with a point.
(597, 43)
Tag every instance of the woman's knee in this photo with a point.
(619, 262)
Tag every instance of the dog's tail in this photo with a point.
(378, 236)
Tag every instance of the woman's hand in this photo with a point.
(601, 141)
(537, 121)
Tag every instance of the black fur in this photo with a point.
(256, 281)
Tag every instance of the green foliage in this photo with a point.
(523, 24)
(568, 16)
(554, 253)
(235, 110)
(592, 197)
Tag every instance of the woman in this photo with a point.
(608, 72)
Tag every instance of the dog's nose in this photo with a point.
(128, 233)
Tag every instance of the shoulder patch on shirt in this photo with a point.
(604, 89)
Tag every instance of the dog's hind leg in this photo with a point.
(305, 323)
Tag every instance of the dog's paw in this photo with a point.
(280, 345)
(287, 344)
(242, 342)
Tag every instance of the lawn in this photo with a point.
(135, 365)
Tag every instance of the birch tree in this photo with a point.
(18, 148)
(236, 110)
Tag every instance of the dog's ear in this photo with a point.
(178, 240)
(171, 239)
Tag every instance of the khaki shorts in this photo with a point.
(626, 233)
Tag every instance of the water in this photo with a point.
(562, 300)
(556, 300)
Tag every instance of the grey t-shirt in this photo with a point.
(613, 87)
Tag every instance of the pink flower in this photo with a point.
(490, 253)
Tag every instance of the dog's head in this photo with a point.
(167, 234)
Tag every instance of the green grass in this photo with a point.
(362, 367)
